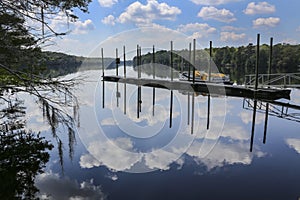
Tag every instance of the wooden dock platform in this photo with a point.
(205, 88)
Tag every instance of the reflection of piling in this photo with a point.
(125, 96)
(188, 120)
(118, 94)
(103, 93)
(139, 101)
(208, 112)
(193, 112)
(171, 108)
(194, 59)
(253, 125)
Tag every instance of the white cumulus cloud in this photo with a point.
(83, 27)
(144, 14)
(232, 36)
(259, 8)
(61, 23)
(107, 3)
(109, 20)
(266, 22)
(196, 27)
(221, 15)
(213, 2)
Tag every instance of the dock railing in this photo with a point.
(284, 80)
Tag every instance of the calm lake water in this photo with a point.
(130, 150)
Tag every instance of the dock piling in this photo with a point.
(171, 60)
(102, 62)
(257, 61)
(194, 59)
(190, 60)
(124, 58)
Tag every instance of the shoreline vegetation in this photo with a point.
(235, 61)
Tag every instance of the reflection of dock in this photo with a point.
(278, 109)
(207, 88)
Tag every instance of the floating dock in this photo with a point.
(205, 88)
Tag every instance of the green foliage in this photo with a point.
(236, 61)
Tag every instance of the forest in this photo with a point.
(235, 61)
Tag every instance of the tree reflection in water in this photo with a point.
(23, 153)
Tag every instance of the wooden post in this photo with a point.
(140, 62)
(190, 60)
(124, 58)
(117, 63)
(171, 60)
(267, 105)
(153, 90)
(210, 57)
(153, 61)
(194, 59)
(137, 61)
(257, 62)
(270, 59)
(102, 62)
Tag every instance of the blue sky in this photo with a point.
(225, 22)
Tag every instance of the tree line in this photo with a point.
(235, 61)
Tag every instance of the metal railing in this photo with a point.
(291, 80)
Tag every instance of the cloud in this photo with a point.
(266, 22)
(109, 20)
(115, 154)
(224, 154)
(231, 28)
(107, 3)
(221, 15)
(246, 117)
(51, 184)
(144, 14)
(83, 27)
(198, 30)
(61, 23)
(259, 8)
(232, 36)
(294, 143)
(213, 2)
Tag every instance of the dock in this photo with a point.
(208, 88)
